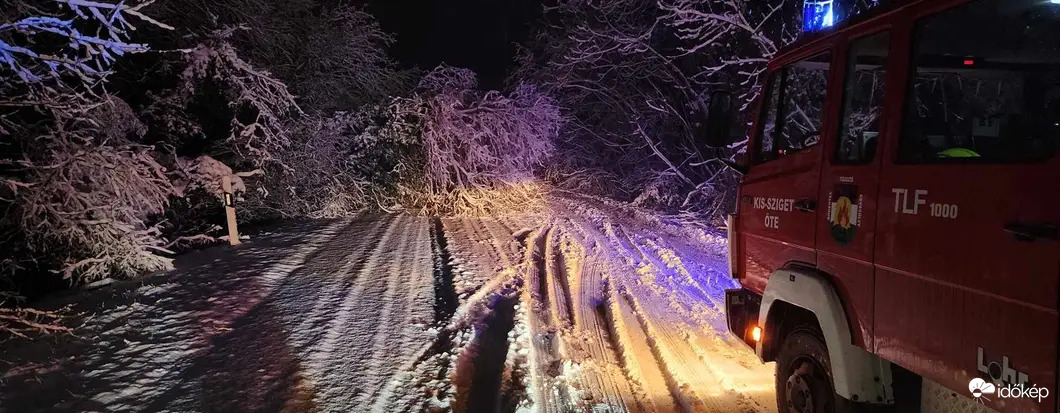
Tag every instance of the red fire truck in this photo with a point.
(896, 229)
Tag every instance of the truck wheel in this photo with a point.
(804, 376)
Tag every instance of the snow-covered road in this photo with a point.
(594, 307)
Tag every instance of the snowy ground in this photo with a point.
(592, 308)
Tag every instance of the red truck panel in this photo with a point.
(935, 278)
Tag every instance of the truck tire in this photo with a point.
(804, 377)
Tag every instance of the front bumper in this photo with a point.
(741, 314)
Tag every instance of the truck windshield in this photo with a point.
(986, 84)
(794, 105)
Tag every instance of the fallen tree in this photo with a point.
(637, 77)
(479, 149)
(102, 180)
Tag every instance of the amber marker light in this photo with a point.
(756, 333)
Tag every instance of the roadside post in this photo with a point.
(230, 210)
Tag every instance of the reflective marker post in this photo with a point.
(230, 210)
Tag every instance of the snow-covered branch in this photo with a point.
(738, 37)
(89, 193)
(27, 54)
(637, 76)
(478, 145)
(259, 103)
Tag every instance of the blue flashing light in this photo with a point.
(1054, 1)
(818, 15)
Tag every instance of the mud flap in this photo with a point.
(741, 314)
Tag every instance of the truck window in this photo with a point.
(795, 103)
(986, 85)
(863, 99)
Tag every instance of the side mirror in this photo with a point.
(738, 164)
(718, 125)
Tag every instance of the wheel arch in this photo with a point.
(782, 318)
(796, 295)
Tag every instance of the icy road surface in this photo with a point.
(594, 307)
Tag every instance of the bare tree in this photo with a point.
(635, 101)
(637, 77)
(736, 37)
(599, 60)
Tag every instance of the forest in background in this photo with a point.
(117, 120)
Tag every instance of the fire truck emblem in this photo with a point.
(844, 212)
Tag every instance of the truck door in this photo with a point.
(778, 195)
(967, 254)
(850, 180)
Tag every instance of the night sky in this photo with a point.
(476, 34)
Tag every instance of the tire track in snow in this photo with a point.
(330, 267)
(713, 264)
(338, 362)
(558, 282)
(638, 360)
(515, 385)
(321, 279)
(663, 257)
(592, 344)
(503, 242)
(483, 377)
(728, 367)
(671, 334)
(669, 283)
(686, 404)
(680, 279)
(381, 299)
(434, 373)
(607, 333)
(490, 347)
(482, 249)
(445, 299)
(545, 353)
(412, 312)
(652, 347)
(475, 273)
(688, 328)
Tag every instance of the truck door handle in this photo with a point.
(806, 205)
(1030, 232)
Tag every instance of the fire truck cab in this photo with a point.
(895, 237)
